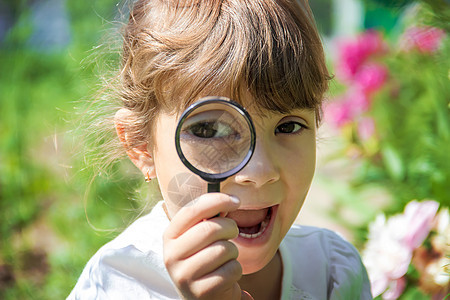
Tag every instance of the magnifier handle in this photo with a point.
(213, 187)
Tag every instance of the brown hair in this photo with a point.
(177, 51)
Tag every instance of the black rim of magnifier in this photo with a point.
(221, 176)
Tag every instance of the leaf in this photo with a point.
(393, 162)
(413, 293)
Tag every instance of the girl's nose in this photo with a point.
(261, 169)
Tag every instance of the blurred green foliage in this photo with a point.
(45, 239)
(438, 12)
(413, 121)
(407, 155)
(393, 116)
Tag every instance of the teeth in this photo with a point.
(255, 235)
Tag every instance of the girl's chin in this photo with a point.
(254, 260)
(250, 268)
(255, 253)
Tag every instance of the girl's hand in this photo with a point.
(197, 252)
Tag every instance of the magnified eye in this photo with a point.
(207, 130)
(289, 127)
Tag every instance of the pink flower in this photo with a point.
(362, 76)
(358, 101)
(385, 256)
(395, 289)
(426, 39)
(348, 107)
(371, 42)
(350, 58)
(371, 77)
(353, 53)
(389, 249)
(366, 128)
(338, 113)
(419, 217)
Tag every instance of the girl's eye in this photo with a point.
(207, 130)
(289, 127)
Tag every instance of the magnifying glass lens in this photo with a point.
(215, 138)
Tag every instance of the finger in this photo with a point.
(204, 234)
(221, 279)
(211, 258)
(206, 206)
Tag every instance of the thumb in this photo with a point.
(246, 296)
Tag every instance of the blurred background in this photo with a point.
(383, 150)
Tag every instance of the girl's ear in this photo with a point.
(138, 151)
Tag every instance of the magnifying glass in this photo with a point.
(215, 139)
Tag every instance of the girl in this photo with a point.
(241, 242)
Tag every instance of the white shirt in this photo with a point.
(317, 264)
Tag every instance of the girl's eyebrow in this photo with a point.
(294, 111)
(308, 115)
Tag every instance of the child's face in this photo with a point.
(271, 188)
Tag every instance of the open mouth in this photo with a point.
(256, 223)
